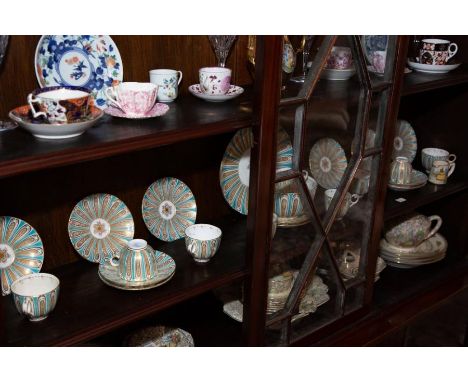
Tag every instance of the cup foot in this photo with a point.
(166, 101)
(37, 319)
(202, 261)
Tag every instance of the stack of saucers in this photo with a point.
(429, 251)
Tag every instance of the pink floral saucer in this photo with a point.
(233, 92)
(157, 110)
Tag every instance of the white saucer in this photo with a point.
(432, 69)
(233, 92)
(338, 74)
(157, 110)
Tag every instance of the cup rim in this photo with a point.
(217, 232)
(435, 41)
(147, 86)
(32, 276)
(214, 69)
(163, 71)
(40, 92)
(434, 150)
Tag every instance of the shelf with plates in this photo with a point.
(188, 118)
(88, 308)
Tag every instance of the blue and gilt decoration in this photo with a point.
(327, 161)
(405, 143)
(21, 251)
(100, 226)
(168, 208)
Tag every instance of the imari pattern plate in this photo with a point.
(405, 143)
(90, 61)
(165, 266)
(327, 161)
(21, 251)
(168, 208)
(100, 226)
(234, 171)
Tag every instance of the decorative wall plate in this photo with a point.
(160, 336)
(233, 92)
(418, 180)
(373, 43)
(165, 266)
(21, 251)
(327, 161)
(100, 225)
(90, 61)
(405, 143)
(157, 110)
(234, 171)
(168, 208)
(41, 129)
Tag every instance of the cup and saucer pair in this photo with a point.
(215, 85)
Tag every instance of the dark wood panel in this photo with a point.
(139, 55)
(87, 307)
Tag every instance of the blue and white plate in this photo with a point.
(21, 251)
(373, 43)
(100, 226)
(90, 61)
(168, 208)
(234, 171)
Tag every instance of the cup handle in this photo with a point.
(452, 52)
(112, 97)
(454, 158)
(433, 231)
(114, 260)
(180, 77)
(354, 199)
(451, 169)
(31, 100)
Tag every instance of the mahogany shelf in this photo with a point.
(188, 118)
(420, 197)
(416, 82)
(87, 308)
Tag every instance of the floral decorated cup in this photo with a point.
(435, 51)
(133, 98)
(35, 295)
(60, 104)
(202, 241)
(168, 81)
(340, 58)
(215, 80)
(412, 230)
(379, 59)
(136, 262)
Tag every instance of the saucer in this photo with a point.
(165, 265)
(233, 92)
(158, 110)
(338, 74)
(41, 129)
(418, 180)
(432, 69)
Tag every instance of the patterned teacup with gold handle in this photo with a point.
(136, 262)
(202, 241)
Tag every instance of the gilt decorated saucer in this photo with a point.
(327, 161)
(233, 92)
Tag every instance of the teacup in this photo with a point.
(379, 59)
(435, 51)
(441, 170)
(400, 171)
(288, 204)
(60, 104)
(215, 80)
(35, 295)
(349, 201)
(340, 58)
(136, 262)
(360, 183)
(202, 241)
(431, 154)
(168, 81)
(412, 230)
(133, 98)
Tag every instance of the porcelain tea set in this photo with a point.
(434, 56)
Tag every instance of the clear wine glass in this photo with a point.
(306, 44)
(4, 125)
(221, 46)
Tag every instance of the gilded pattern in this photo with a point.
(38, 307)
(202, 250)
(327, 161)
(140, 264)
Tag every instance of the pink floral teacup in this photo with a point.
(133, 98)
(340, 58)
(378, 60)
(215, 80)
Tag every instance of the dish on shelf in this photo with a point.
(418, 180)
(234, 171)
(233, 92)
(338, 74)
(432, 69)
(373, 43)
(429, 251)
(90, 61)
(168, 208)
(327, 161)
(42, 129)
(158, 110)
(21, 251)
(165, 269)
(160, 336)
(349, 266)
(100, 226)
(405, 143)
